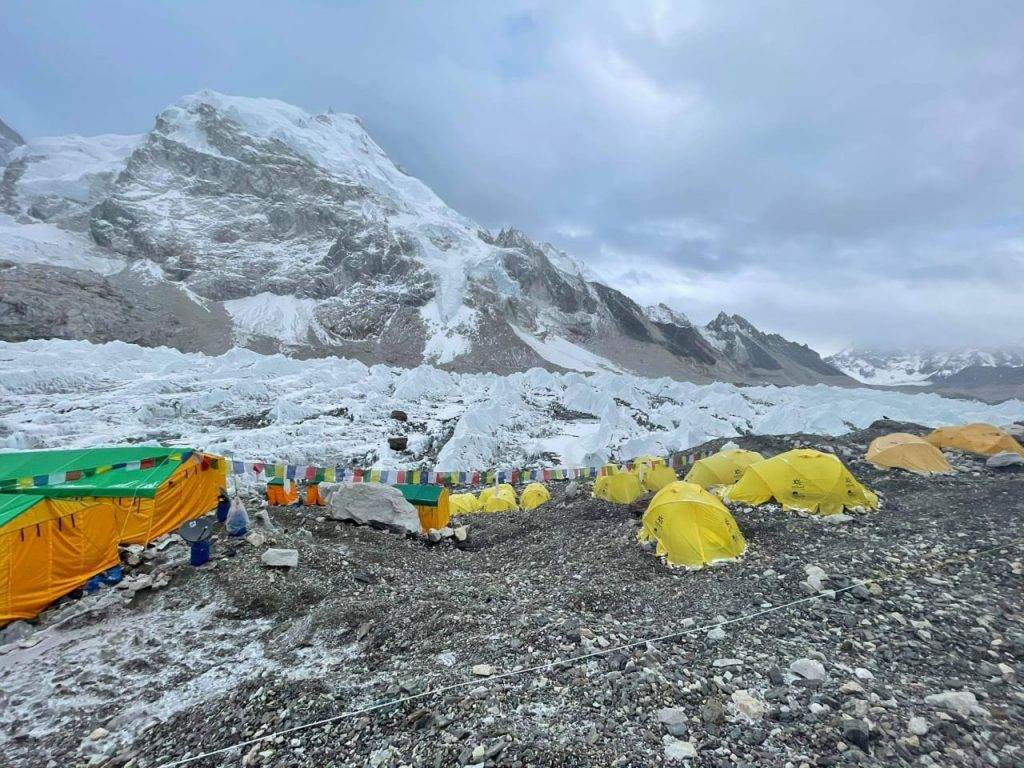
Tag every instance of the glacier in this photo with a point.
(336, 411)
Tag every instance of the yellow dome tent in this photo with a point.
(463, 503)
(802, 480)
(906, 452)
(620, 488)
(975, 438)
(534, 495)
(653, 473)
(691, 527)
(722, 468)
(499, 498)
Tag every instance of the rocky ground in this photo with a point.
(920, 666)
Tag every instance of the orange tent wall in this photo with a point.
(190, 492)
(51, 550)
(277, 496)
(313, 497)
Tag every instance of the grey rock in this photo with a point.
(857, 732)
(964, 703)
(1004, 459)
(281, 558)
(808, 669)
(370, 503)
(917, 725)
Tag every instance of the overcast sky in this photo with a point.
(834, 171)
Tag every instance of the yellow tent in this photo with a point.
(802, 480)
(722, 468)
(499, 498)
(463, 503)
(975, 438)
(620, 488)
(534, 495)
(653, 473)
(63, 513)
(691, 527)
(906, 452)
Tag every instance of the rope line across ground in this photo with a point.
(583, 657)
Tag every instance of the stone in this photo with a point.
(678, 751)
(256, 538)
(483, 670)
(963, 703)
(917, 726)
(748, 705)
(775, 675)
(712, 712)
(857, 732)
(398, 442)
(851, 688)
(433, 536)
(370, 503)
(815, 577)
(863, 674)
(15, 632)
(281, 558)
(716, 633)
(399, 416)
(727, 663)
(808, 669)
(98, 734)
(1004, 459)
(461, 533)
(478, 753)
(572, 489)
(672, 716)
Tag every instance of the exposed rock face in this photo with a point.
(293, 232)
(9, 140)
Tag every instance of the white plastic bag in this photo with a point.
(237, 521)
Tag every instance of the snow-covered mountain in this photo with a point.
(10, 139)
(248, 222)
(919, 367)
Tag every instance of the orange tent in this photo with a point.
(975, 438)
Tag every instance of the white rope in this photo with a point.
(563, 662)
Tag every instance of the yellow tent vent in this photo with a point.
(906, 452)
(692, 528)
(802, 480)
(722, 468)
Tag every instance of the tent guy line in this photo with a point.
(583, 657)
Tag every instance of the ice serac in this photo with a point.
(250, 222)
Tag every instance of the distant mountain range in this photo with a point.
(240, 221)
(994, 374)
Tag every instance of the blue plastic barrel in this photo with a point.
(222, 509)
(200, 552)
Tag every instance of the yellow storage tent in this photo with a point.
(654, 474)
(432, 502)
(802, 480)
(722, 468)
(500, 498)
(534, 495)
(63, 513)
(620, 488)
(906, 452)
(282, 493)
(463, 503)
(975, 438)
(691, 527)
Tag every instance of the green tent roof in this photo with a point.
(421, 495)
(113, 483)
(12, 505)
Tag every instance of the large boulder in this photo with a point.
(1005, 459)
(370, 503)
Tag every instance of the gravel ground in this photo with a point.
(862, 676)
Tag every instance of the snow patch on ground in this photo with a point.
(41, 243)
(287, 318)
(68, 166)
(564, 353)
(448, 337)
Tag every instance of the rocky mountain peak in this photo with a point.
(272, 228)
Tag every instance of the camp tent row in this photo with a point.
(55, 537)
